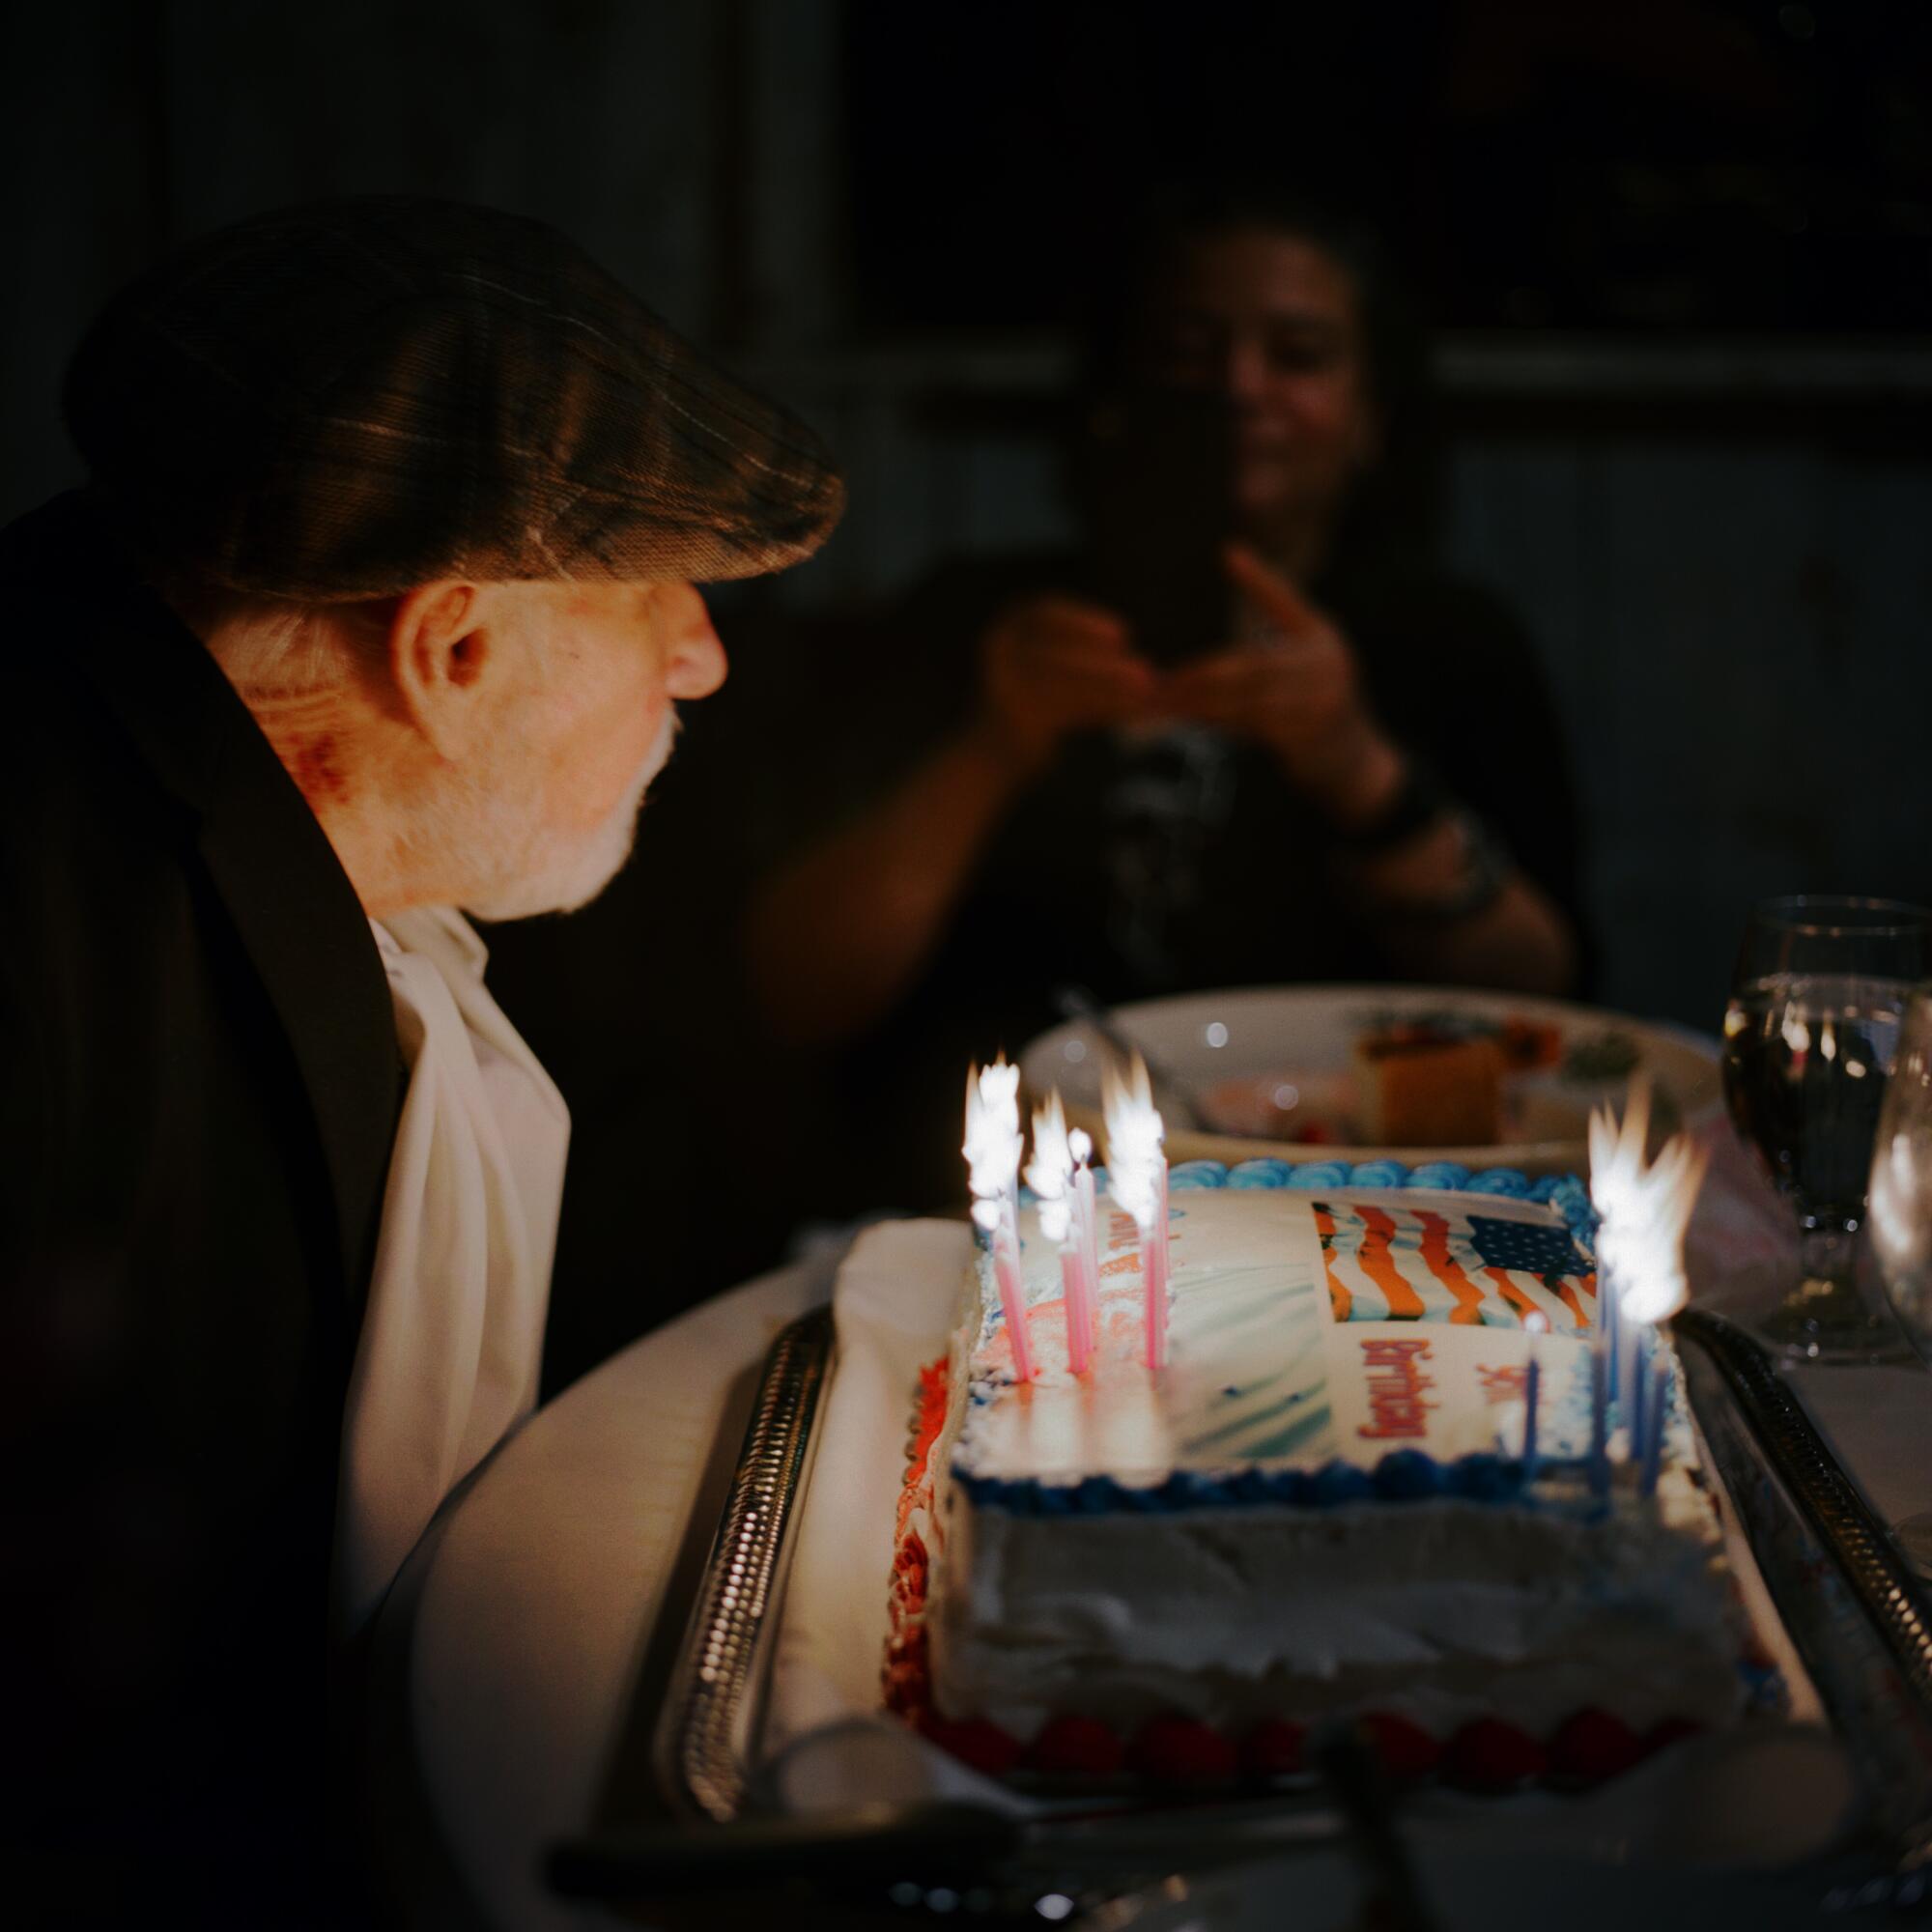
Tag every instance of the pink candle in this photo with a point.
(1084, 1314)
(1079, 1352)
(1054, 1174)
(1012, 1289)
(1137, 1171)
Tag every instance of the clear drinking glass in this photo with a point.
(1900, 1219)
(1900, 1195)
(1810, 1034)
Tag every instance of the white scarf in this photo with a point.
(452, 1339)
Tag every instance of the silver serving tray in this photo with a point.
(1852, 1608)
(706, 1743)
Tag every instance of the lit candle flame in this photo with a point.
(1050, 1171)
(1135, 1135)
(1137, 1171)
(993, 1147)
(993, 1137)
(1644, 1205)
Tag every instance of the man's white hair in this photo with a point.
(270, 648)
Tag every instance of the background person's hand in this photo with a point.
(1053, 665)
(1298, 693)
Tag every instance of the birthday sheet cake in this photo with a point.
(1332, 1499)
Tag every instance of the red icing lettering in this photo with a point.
(1503, 1384)
(1395, 1382)
(1379, 1355)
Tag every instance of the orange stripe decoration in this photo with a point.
(1339, 1301)
(1522, 1303)
(1378, 1264)
(1448, 1271)
(1565, 1293)
(1587, 1285)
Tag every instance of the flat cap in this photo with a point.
(350, 397)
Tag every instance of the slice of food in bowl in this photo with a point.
(1416, 1085)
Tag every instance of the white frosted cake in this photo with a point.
(1318, 1507)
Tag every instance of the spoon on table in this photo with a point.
(1170, 1092)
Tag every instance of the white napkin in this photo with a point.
(829, 1743)
(447, 1360)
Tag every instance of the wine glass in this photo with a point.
(1809, 1038)
(1900, 1193)
(1900, 1219)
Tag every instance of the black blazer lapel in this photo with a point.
(284, 890)
(307, 931)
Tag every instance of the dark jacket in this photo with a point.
(200, 1093)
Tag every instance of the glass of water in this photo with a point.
(1810, 1034)
(1899, 1212)
(1899, 1207)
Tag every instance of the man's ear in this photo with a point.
(439, 652)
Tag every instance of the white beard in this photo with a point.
(551, 873)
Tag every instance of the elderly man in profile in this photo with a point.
(377, 605)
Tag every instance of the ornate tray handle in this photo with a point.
(718, 1688)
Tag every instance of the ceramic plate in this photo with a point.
(1269, 1070)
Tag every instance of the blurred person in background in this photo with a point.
(1247, 733)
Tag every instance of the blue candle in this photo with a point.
(1608, 1324)
(1653, 1448)
(1599, 1418)
(1639, 1366)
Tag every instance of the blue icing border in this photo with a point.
(1260, 1173)
(1450, 1176)
(1195, 1174)
(1312, 1176)
(1512, 1184)
(1379, 1174)
(1403, 1475)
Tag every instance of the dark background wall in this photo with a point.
(1678, 254)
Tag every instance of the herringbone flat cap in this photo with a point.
(348, 398)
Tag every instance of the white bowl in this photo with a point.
(1305, 1035)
